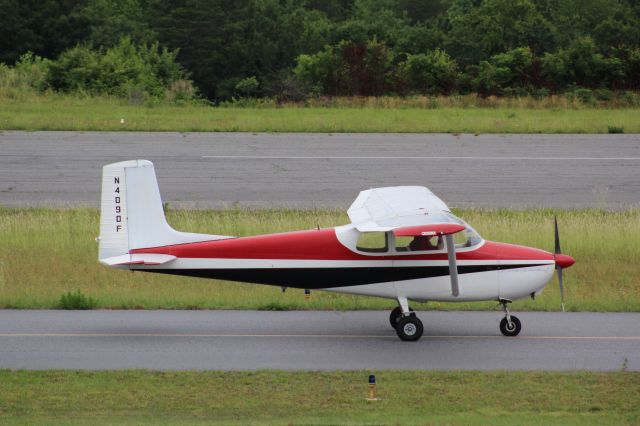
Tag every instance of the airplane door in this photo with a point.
(412, 279)
(425, 276)
(418, 274)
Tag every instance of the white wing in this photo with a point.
(384, 209)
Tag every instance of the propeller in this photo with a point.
(562, 261)
(558, 267)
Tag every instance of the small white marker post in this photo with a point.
(372, 388)
(122, 121)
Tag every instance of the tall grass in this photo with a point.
(46, 253)
(21, 110)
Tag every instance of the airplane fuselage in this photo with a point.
(325, 259)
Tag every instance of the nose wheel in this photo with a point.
(510, 325)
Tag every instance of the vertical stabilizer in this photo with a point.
(131, 215)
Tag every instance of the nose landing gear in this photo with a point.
(407, 325)
(510, 325)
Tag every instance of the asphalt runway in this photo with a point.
(221, 170)
(299, 340)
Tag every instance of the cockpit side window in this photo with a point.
(419, 243)
(373, 242)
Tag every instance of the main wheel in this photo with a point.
(409, 328)
(510, 330)
(395, 316)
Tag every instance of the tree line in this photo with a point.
(292, 49)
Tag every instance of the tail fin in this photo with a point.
(132, 216)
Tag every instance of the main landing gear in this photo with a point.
(407, 325)
(510, 325)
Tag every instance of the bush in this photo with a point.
(75, 69)
(181, 92)
(615, 129)
(430, 73)
(508, 73)
(584, 95)
(631, 99)
(32, 71)
(519, 62)
(554, 69)
(125, 71)
(29, 74)
(77, 300)
(248, 86)
(314, 71)
(349, 68)
(602, 94)
(491, 79)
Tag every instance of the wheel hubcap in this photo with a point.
(409, 329)
(511, 326)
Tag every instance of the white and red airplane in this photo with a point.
(403, 243)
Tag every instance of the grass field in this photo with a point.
(275, 397)
(45, 253)
(62, 112)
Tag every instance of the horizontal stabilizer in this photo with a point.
(139, 259)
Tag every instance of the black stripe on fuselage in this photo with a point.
(314, 278)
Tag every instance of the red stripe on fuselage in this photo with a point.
(323, 245)
(515, 252)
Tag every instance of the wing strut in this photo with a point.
(453, 265)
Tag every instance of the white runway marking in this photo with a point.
(343, 336)
(274, 157)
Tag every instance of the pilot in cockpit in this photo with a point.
(424, 243)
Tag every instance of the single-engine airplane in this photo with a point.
(403, 243)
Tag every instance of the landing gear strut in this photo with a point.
(395, 316)
(510, 325)
(407, 325)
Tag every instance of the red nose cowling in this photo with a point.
(564, 261)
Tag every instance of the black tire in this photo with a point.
(514, 330)
(409, 328)
(395, 316)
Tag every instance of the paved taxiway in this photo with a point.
(240, 340)
(327, 170)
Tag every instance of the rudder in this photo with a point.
(114, 232)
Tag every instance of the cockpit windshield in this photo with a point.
(467, 238)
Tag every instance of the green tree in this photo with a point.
(111, 20)
(578, 18)
(419, 38)
(422, 10)
(44, 27)
(211, 36)
(335, 10)
(371, 19)
(478, 31)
